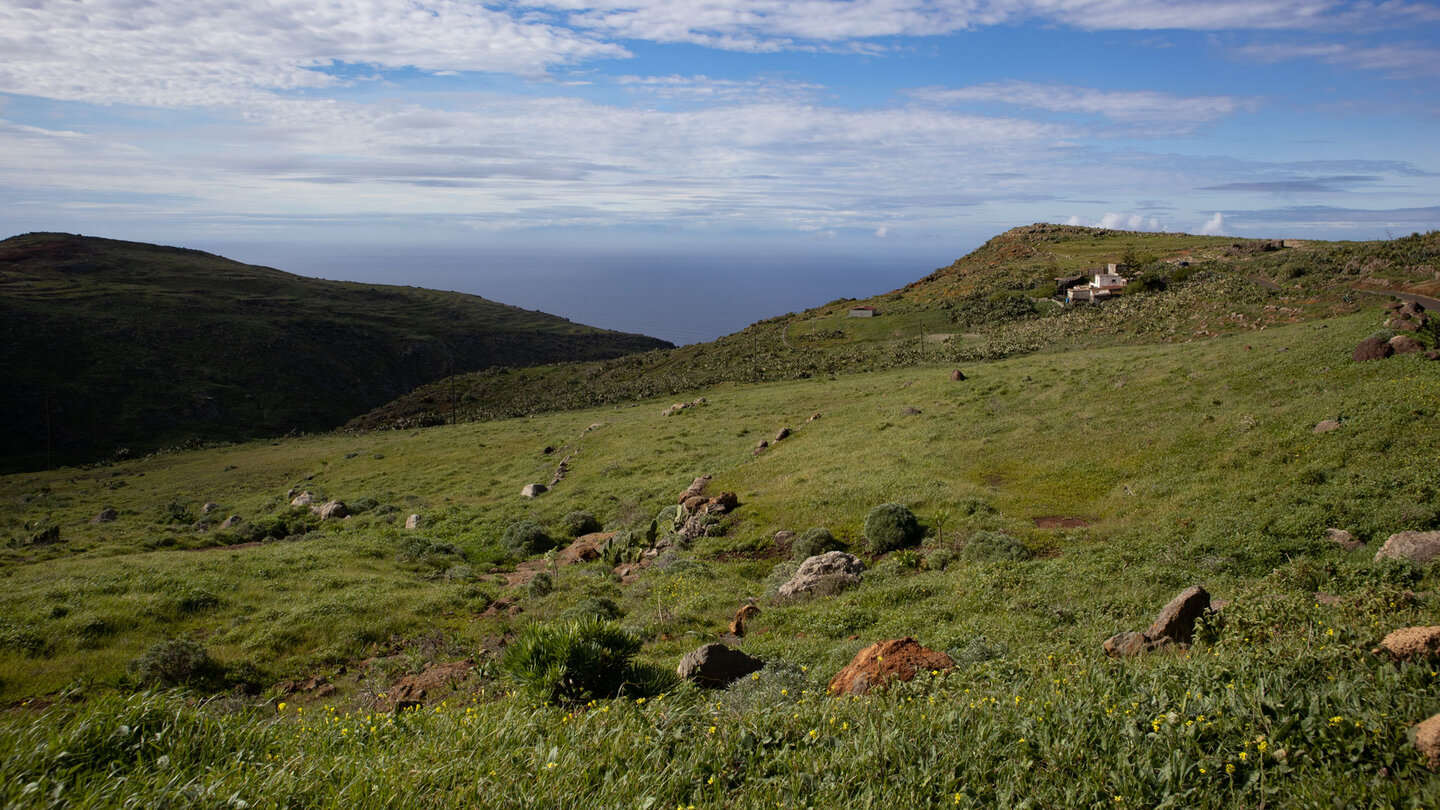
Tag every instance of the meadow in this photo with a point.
(1177, 464)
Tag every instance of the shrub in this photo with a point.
(176, 662)
(995, 547)
(779, 575)
(890, 526)
(579, 660)
(815, 541)
(595, 607)
(290, 523)
(540, 585)
(526, 538)
(579, 523)
(939, 559)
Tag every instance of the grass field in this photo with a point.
(1188, 463)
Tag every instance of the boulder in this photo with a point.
(1343, 539)
(1417, 547)
(784, 536)
(782, 434)
(1427, 741)
(331, 510)
(1405, 344)
(1413, 643)
(231, 522)
(1326, 426)
(303, 499)
(714, 666)
(694, 503)
(209, 507)
(1126, 644)
(106, 515)
(957, 376)
(813, 417)
(823, 574)
(413, 522)
(1177, 619)
(882, 663)
(760, 447)
(532, 490)
(1371, 348)
(721, 503)
(696, 488)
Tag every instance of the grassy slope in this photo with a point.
(139, 346)
(1193, 462)
(988, 305)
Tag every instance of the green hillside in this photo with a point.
(119, 347)
(1065, 495)
(999, 301)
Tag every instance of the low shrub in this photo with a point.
(580, 660)
(177, 662)
(779, 575)
(579, 523)
(595, 607)
(540, 585)
(526, 538)
(815, 541)
(994, 547)
(891, 526)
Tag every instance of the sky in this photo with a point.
(435, 141)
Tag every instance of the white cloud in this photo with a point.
(1399, 60)
(1127, 106)
(221, 53)
(1214, 226)
(1119, 222)
(882, 231)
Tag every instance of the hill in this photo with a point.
(114, 347)
(999, 301)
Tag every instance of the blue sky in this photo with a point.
(858, 127)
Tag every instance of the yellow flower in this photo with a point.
(549, 765)
(281, 707)
(1229, 767)
(712, 729)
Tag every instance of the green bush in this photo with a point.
(890, 526)
(290, 523)
(177, 662)
(526, 538)
(815, 541)
(994, 546)
(779, 575)
(595, 607)
(579, 660)
(579, 523)
(540, 585)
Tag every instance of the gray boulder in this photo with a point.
(106, 515)
(412, 522)
(331, 510)
(1343, 539)
(823, 574)
(533, 490)
(209, 507)
(1327, 426)
(1417, 547)
(714, 666)
(303, 499)
(231, 522)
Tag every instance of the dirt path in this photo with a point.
(1431, 304)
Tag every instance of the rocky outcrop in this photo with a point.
(883, 663)
(715, 666)
(1417, 547)
(823, 574)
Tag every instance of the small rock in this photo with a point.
(1427, 741)
(1413, 643)
(696, 488)
(1344, 539)
(823, 574)
(744, 614)
(957, 376)
(549, 448)
(760, 447)
(1433, 354)
(1417, 547)
(784, 536)
(813, 417)
(1328, 599)
(1326, 426)
(331, 510)
(413, 522)
(532, 490)
(303, 499)
(106, 515)
(1124, 645)
(1372, 348)
(1405, 344)
(720, 504)
(1177, 619)
(882, 663)
(694, 503)
(783, 434)
(231, 522)
(910, 411)
(714, 666)
(209, 507)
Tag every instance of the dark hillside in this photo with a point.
(113, 346)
